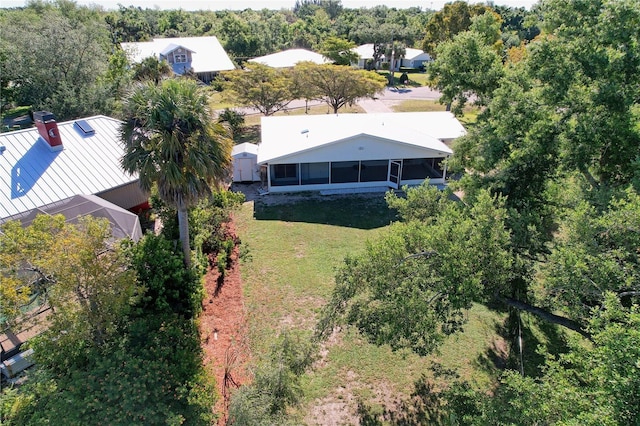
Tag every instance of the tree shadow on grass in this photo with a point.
(353, 211)
(539, 338)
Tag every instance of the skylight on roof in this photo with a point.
(84, 128)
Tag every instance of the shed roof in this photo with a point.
(206, 52)
(31, 175)
(246, 147)
(289, 58)
(287, 135)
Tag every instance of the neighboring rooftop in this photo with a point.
(33, 175)
(124, 224)
(289, 58)
(249, 148)
(207, 53)
(286, 135)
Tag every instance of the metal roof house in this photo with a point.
(205, 56)
(55, 161)
(356, 151)
(289, 58)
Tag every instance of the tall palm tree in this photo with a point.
(172, 140)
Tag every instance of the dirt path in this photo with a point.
(223, 326)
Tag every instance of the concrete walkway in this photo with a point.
(371, 106)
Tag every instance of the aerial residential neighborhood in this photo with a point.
(320, 213)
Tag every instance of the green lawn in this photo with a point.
(295, 249)
(470, 113)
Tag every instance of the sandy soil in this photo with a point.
(223, 328)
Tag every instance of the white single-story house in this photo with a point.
(365, 53)
(413, 58)
(54, 161)
(245, 163)
(356, 151)
(205, 56)
(289, 58)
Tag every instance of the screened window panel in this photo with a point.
(284, 174)
(422, 168)
(344, 171)
(314, 173)
(374, 171)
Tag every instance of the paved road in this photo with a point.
(382, 102)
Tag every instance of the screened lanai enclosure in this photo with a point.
(384, 172)
(300, 153)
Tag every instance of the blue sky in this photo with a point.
(268, 4)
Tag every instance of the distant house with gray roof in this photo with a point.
(204, 56)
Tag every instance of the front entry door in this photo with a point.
(395, 171)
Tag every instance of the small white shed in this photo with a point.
(245, 163)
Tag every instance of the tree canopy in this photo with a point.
(336, 85)
(550, 189)
(266, 89)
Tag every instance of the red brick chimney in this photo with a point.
(46, 124)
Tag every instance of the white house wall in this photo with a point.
(360, 148)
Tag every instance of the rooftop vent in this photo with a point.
(84, 128)
(48, 129)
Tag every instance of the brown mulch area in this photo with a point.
(223, 327)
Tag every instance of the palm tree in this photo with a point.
(172, 141)
(152, 69)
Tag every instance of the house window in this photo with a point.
(314, 173)
(284, 174)
(344, 171)
(422, 168)
(374, 170)
(179, 58)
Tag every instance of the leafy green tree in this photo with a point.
(339, 51)
(589, 385)
(168, 287)
(454, 18)
(56, 62)
(71, 268)
(240, 40)
(336, 85)
(466, 67)
(595, 253)
(128, 24)
(411, 286)
(266, 89)
(309, 32)
(172, 142)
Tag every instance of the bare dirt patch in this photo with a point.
(223, 327)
